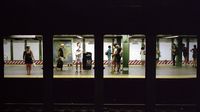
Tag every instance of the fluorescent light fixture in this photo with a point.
(79, 36)
(138, 35)
(23, 36)
(172, 36)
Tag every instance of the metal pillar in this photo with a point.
(198, 74)
(150, 73)
(25, 44)
(98, 73)
(1, 72)
(48, 72)
(179, 52)
(40, 49)
(125, 54)
(83, 45)
(187, 46)
(1, 58)
(11, 50)
(142, 44)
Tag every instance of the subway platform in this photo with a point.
(135, 71)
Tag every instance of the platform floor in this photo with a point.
(137, 71)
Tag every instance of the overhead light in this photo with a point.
(172, 36)
(23, 36)
(79, 36)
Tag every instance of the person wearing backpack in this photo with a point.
(108, 53)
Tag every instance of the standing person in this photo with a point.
(28, 58)
(174, 52)
(194, 56)
(108, 53)
(78, 56)
(60, 51)
(114, 63)
(118, 57)
(142, 53)
(185, 54)
(60, 57)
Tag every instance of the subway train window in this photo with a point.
(23, 56)
(176, 56)
(124, 56)
(73, 56)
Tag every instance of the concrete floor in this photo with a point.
(138, 71)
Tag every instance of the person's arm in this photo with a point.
(32, 55)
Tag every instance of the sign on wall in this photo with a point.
(67, 50)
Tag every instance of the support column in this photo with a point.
(1, 73)
(150, 73)
(198, 74)
(119, 41)
(83, 45)
(142, 44)
(158, 43)
(1, 59)
(11, 50)
(40, 49)
(125, 54)
(179, 52)
(25, 44)
(48, 72)
(98, 73)
(187, 46)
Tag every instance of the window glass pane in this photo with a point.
(175, 56)
(124, 56)
(23, 56)
(73, 56)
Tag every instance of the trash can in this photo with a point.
(87, 61)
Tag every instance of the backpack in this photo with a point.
(107, 53)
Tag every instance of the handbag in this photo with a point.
(34, 64)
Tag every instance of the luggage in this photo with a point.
(59, 63)
(87, 61)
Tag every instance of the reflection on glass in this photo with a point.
(124, 56)
(176, 56)
(73, 56)
(23, 56)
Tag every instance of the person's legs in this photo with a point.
(80, 66)
(195, 62)
(30, 68)
(173, 59)
(76, 65)
(114, 66)
(27, 69)
(118, 66)
(186, 60)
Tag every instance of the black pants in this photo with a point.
(173, 59)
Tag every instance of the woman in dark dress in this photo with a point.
(28, 58)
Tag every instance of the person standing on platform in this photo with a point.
(78, 56)
(174, 53)
(28, 58)
(108, 53)
(114, 63)
(194, 56)
(60, 57)
(142, 53)
(118, 56)
(185, 54)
